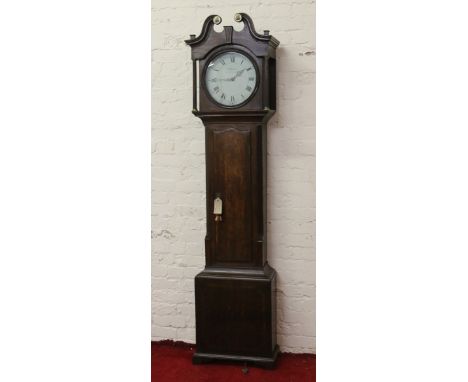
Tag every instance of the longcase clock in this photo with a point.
(234, 94)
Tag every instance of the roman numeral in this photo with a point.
(223, 96)
(242, 96)
(233, 59)
(249, 69)
(222, 62)
(251, 78)
(214, 80)
(216, 89)
(241, 62)
(248, 88)
(232, 99)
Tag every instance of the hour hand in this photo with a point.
(221, 79)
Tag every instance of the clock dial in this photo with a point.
(231, 78)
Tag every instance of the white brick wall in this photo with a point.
(178, 172)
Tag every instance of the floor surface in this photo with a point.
(173, 363)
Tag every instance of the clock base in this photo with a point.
(236, 315)
(264, 362)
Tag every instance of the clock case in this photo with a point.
(235, 295)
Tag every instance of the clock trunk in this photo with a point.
(234, 173)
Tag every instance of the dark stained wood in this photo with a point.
(235, 295)
(260, 48)
(232, 181)
(230, 305)
(235, 171)
(236, 316)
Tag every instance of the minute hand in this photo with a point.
(237, 74)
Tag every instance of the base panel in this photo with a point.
(265, 362)
(236, 315)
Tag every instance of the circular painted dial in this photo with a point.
(231, 78)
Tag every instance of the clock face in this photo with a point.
(231, 78)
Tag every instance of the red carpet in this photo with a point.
(173, 363)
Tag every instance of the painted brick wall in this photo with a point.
(178, 172)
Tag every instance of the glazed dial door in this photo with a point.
(231, 79)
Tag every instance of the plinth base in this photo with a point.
(265, 362)
(236, 316)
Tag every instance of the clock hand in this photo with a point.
(237, 75)
(222, 79)
(240, 72)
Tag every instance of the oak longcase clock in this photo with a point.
(234, 94)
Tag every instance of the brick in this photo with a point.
(173, 321)
(163, 332)
(164, 309)
(186, 335)
(157, 269)
(296, 344)
(161, 283)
